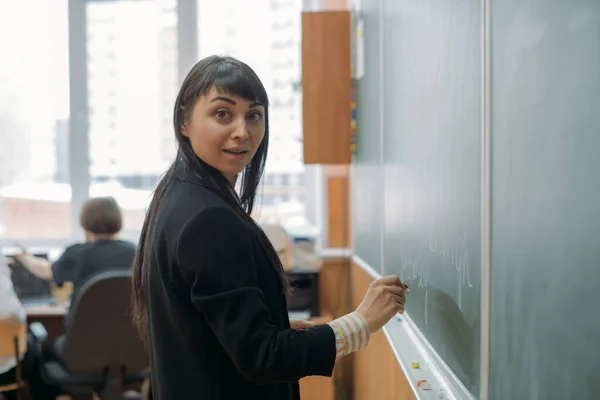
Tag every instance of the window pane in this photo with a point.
(35, 193)
(273, 49)
(132, 82)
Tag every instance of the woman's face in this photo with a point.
(225, 131)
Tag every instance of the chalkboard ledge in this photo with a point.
(410, 347)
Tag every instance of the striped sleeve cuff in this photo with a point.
(351, 334)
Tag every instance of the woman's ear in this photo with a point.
(184, 130)
(184, 126)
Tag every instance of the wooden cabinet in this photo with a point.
(326, 87)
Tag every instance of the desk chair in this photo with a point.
(101, 351)
(13, 341)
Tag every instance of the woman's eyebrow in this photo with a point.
(227, 99)
(233, 102)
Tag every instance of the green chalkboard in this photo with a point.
(417, 177)
(545, 327)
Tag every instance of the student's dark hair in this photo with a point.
(229, 76)
(101, 216)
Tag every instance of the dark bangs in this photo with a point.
(228, 76)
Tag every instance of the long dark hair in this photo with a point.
(233, 77)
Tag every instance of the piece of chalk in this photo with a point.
(423, 384)
(415, 364)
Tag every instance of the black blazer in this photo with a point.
(218, 322)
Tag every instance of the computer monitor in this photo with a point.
(29, 288)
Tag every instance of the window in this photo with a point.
(282, 44)
(35, 193)
(277, 5)
(127, 155)
(121, 140)
(268, 48)
(283, 24)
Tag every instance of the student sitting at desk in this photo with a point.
(101, 220)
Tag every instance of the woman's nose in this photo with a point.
(241, 131)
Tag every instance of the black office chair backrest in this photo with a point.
(100, 334)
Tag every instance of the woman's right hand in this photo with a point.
(384, 298)
(23, 249)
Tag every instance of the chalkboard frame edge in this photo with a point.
(409, 345)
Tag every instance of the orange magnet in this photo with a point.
(423, 384)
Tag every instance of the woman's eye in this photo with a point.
(254, 116)
(222, 114)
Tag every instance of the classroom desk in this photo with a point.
(43, 311)
(51, 316)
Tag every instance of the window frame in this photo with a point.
(79, 123)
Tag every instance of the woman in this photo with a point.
(209, 289)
